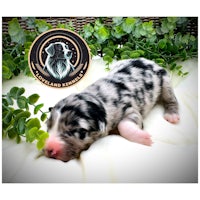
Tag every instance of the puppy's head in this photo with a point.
(59, 50)
(75, 123)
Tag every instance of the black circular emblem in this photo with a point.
(59, 58)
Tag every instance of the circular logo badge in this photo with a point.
(59, 58)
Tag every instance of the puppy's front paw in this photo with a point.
(172, 118)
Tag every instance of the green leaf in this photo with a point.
(25, 114)
(62, 25)
(129, 44)
(34, 122)
(185, 74)
(28, 72)
(185, 39)
(173, 66)
(128, 24)
(6, 72)
(160, 61)
(125, 48)
(117, 20)
(21, 125)
(88, 30)
(108, 59)
(142, 31)
(98, 24)
(30, 21)
(158, 30)
(134, 54)
(20, 91)
(68, 26)
(13, 92)
(4, 134)
(112, 45)
(27, 45)
(8, 117)
(93, 49)
(9, 62)
(43, 116)
(136, 32)
(42, 25)
(108, 52)
(16, 92)
(31, 135)
(22, 102)
(9, 99)
(168, 24)
(184, 54)
(16, 33)
(37, 108)
(118, 32)
(5, 103)
(32, 99)
(102, 34)
(162, 43)
(172, 19)
(40, 144)
(18, 139)
(42, 136)
(141, 52)
(125, 57)
(17, 111)
(12, 133)
(126, 52)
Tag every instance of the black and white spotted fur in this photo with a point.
(130, 91)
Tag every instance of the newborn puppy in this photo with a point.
(58, 60)
(121, 100)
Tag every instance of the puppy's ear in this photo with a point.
(50, 50)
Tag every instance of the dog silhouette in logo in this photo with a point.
(58, 62)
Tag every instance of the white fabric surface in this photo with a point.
(173, 158)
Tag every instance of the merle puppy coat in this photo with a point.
(119, 101)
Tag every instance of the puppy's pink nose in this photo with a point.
(51, 153)
(53, 147)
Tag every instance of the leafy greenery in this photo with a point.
(129, 37)
(18, 123)
(17, 42)
(123, 38)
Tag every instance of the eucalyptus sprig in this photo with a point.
(17, 120)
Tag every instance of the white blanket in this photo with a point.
(173, 158)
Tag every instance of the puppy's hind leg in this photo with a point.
(170, 102)
(130, 128)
